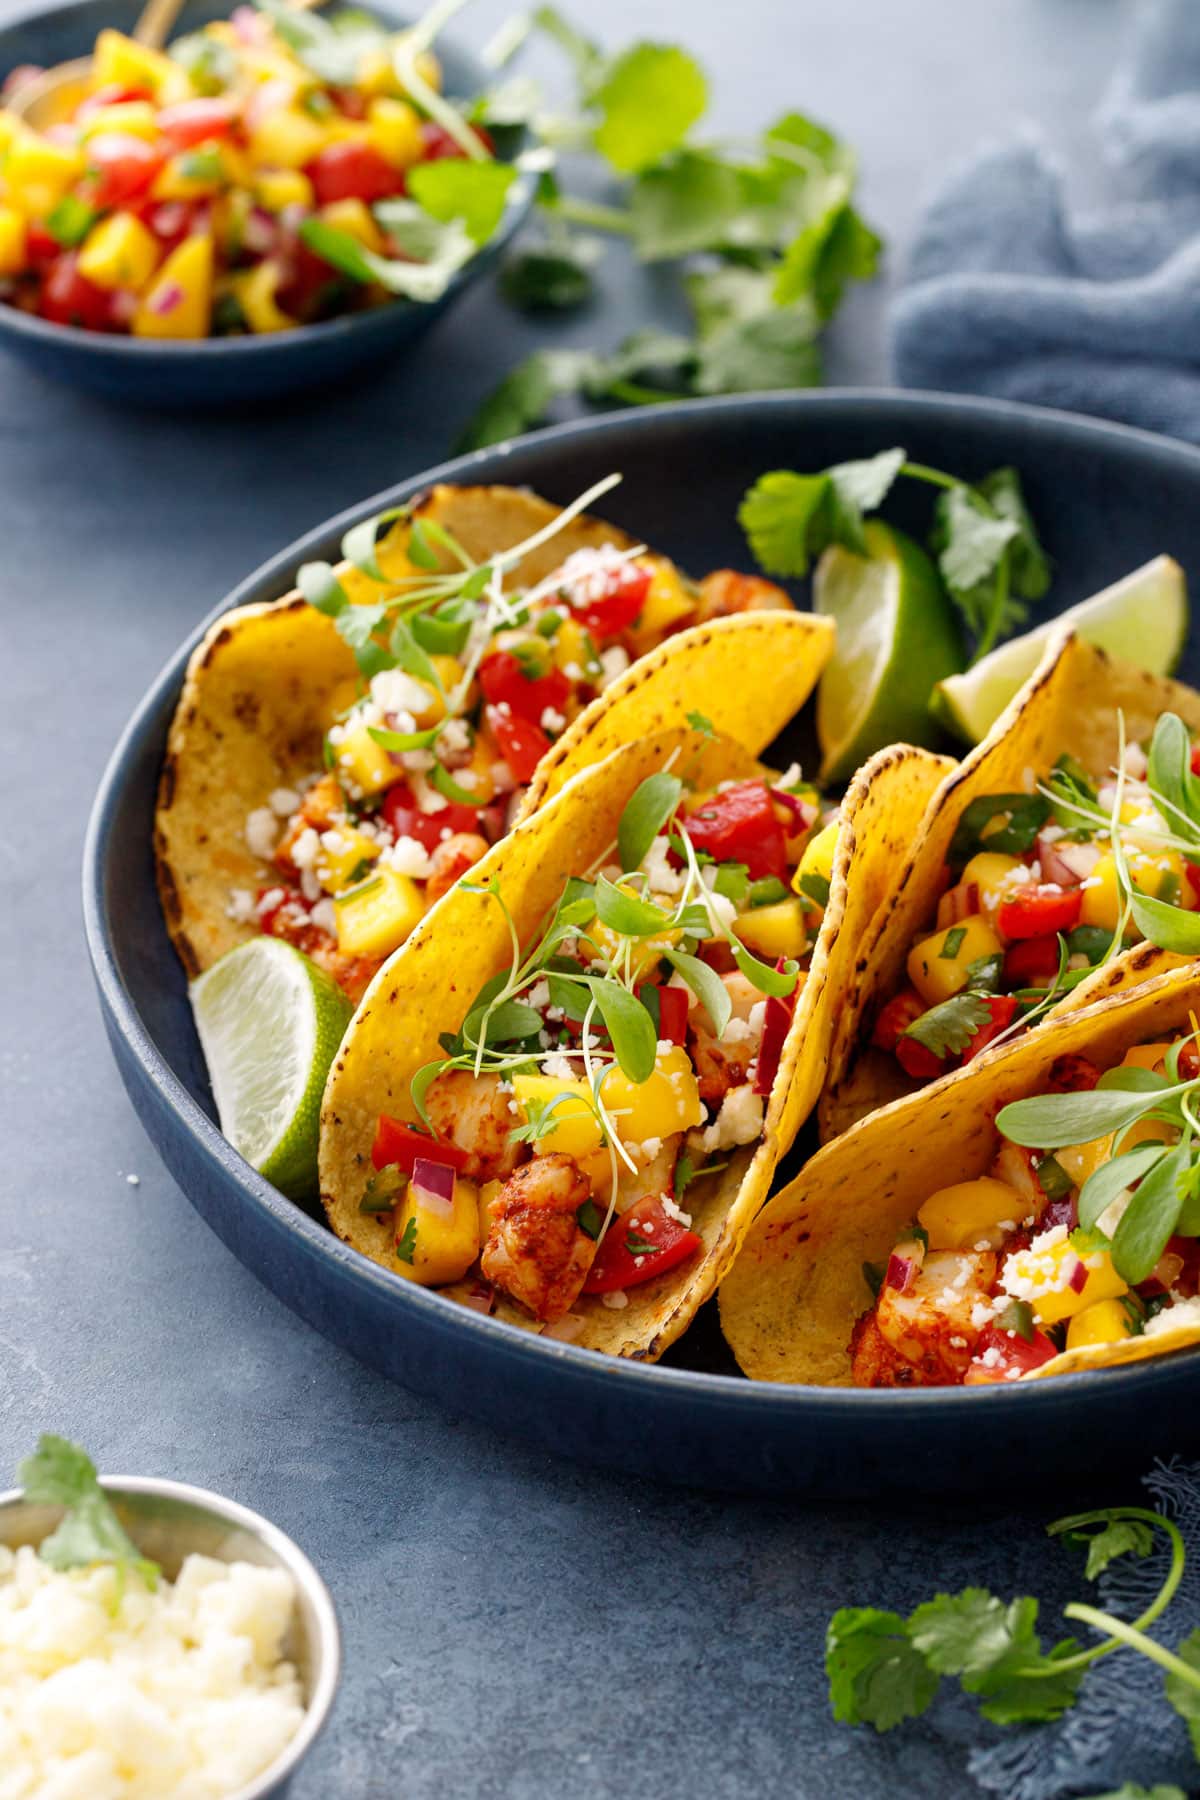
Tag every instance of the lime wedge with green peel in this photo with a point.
(270, 1023)
(897, 634)
(1142, 618)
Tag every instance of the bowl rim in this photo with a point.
(303, 1572)
(119, 345)
(313, 1238)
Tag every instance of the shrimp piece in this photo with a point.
(451, 860)
(322, 809)
(472, 1112)
(724, 1063)
(537, 1252)
(928, 1328)
(725, 591)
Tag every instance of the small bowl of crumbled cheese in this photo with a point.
(157, 1642)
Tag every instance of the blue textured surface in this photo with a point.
(515, 1626)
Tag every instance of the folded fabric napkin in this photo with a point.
(1121, 1727)
(1008, 294)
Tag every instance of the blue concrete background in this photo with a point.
(514, 1627)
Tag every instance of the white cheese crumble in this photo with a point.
(558, 1067)
(395, 692)
(661, 877)
(306, 849)
(1175, 1317)
(262, 832)
(324, 915)
(739, 1121)
(283, 802)
(241, 906)
(616, 1302)
(179, 1692)
(552, 720)
(674, 1211)
(408, 856)
(613, 663)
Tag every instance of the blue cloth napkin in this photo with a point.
(1121, 1728)
(1008, 294)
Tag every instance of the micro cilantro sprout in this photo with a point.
(884, 1668)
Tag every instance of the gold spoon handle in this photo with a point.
(155, 22)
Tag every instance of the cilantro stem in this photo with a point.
(1135, 1639)
(996, 612)
(634, 394)
(590, 212)
(1119, 1633)
(922, 472)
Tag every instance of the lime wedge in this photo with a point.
(1143, 618)
(897, 634)
(270, 1023)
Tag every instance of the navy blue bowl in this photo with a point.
(1108, 499)
(219, 372)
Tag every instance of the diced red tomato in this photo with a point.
(521, 742)
(170, 220)
(429, 828)
(120, 167)
(350, 102)
(505, 683)
(1190, 869)
(192, 122)
(400, 1144)
(638, 1246)
(69, 298)
(1015, 1352)
(111, 94)
(1003, 1010)
(672, 1012)
(613, 609)
(1071, 1074)
(1035, 911)
(268, 916)
(1031, 960)
(438, 143)
(740, 825)
(918, 1060)
(41, 248)
(777, 1017)
(350, 171)
(901, 1011)
(309, 278)
(1196, 759)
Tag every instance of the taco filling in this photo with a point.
(627, 1052)
(1083, 1233)
(1040, 888)
(465, 685)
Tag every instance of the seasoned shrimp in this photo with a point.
(927, 1329)
(473, 1113)
(536, 1249)
(452, 859)
(724, 1063)
(725, 591)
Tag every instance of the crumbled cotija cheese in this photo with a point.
(180, 1693)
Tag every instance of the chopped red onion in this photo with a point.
(958, 903)
(166, 301)
(260, 232)
(803, 811)
(122, 306)
(1077, 1279)
(480, 1299)
(901, 1272)
(1064, 863)
(433, 1183)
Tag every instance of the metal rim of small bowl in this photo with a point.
(304, 1574)
(264, 345)
(316, 1241)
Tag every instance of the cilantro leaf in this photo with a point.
(648, 101)
(548, 277)
(525, 396)
(834, 248)
(1182, 1695)
(1030, 564)
(877, 1676)
(1120, 1537)
(747, 355)
(425, 281)
(61, 1474)
(947, 1029)
(779, 516)
(1131, 1790)
(690, 202)
(992, 1647)
(456, 188)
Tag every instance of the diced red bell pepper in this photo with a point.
(1031, 960)
(1190, 869)
(638, 1246)
(350, 102)
(438, 145)
(918, 1061)
(268, 916)
(777, 1019)
(192, 122)
(505, 683)
(1015, 1351)
(1036, 911)
(740, 825)
(120, 168)
(522, 742)
(901, 1011)
(1196, 759)
(397, 1144)
(42, 249)
(406, 819)
(69, 298)
(111, 94)
(1003, 1010)
(350, 171)
(1071, 1074)
(672, 1011)
(609, 609)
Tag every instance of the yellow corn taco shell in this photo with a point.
(1069, 705)
(264, 685)
(791, 1299)
(427, 985)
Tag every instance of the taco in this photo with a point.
(1034, 1214)
(1069, 836)
(336, 763)
(564, 1098)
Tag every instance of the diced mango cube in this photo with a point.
(287, 139)
(667, 604)
(376, 73)
(374, 918)
(178, 303)
(276, 188)
(576, 1130)
(133, 118)
(666, 1102)
(960, 1216)
(354, 218)
(996, 876)
(120, 62)
(255, 291)
(817, 862)
(343, 851)
(394, 129)
(938, 965)
(119, 253)
(574, 652)
(37, 173)
(1044, 1278)
(433, 1247)
(360, 761)
(192, 175)
(776, 930)
(1106, 1322)
(12, 241)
